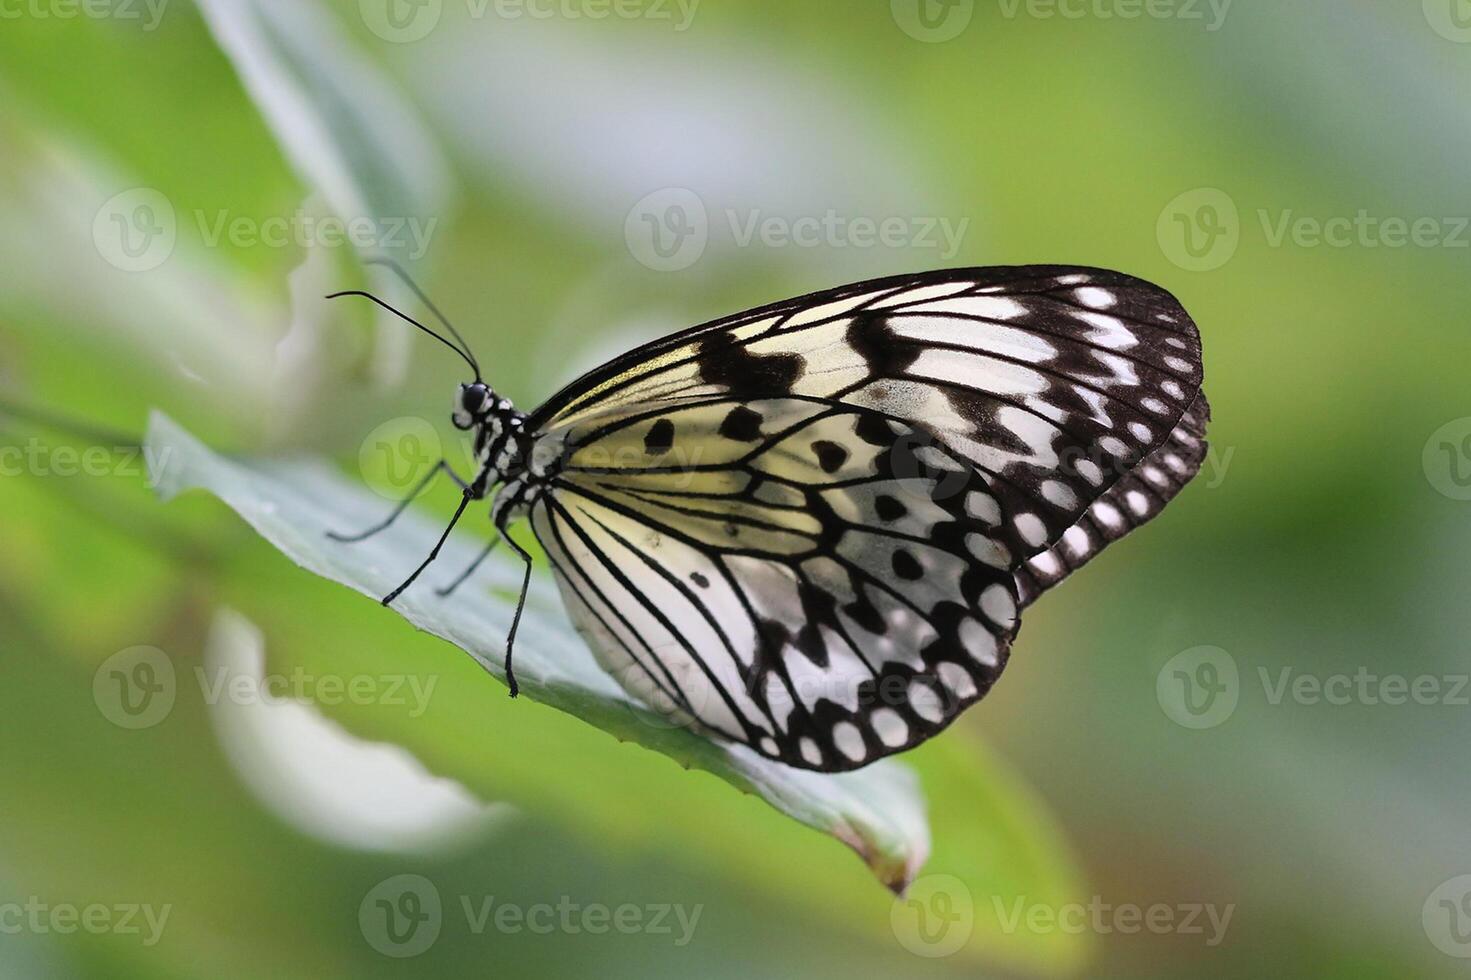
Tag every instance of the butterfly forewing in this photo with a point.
(809, 527)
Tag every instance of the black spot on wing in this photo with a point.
(885, 354)
(874, 430)
(742, 372)
(889, 509)
(906, 566)
(741, 424)
(660, 438)
(830, 455)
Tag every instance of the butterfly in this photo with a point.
(811, 528)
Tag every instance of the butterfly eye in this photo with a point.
(472, 401)
(474, 398)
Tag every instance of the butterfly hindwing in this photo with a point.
(809, 527)
(810, 592)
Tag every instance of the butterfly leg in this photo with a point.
(520, 603)
(465, 575)
(465, 499)
(441, 467)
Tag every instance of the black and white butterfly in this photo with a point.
(811, 527)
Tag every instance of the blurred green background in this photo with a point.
(1252, 708)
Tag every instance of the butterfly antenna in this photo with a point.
(404, 316)
(408, 281)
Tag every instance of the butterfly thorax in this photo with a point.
(502, 444)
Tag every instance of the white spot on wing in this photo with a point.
(988, 307)
(978, 641)
(1096, 297)
(1059, 494)
(998, 606)
(890, 727)
(849, 740)
(988, 551)
(983, 507)
(957, 679)
(1031, 529)
(925, 701)
(922, 294)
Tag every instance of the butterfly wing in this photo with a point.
(809, 527)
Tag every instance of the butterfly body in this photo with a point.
(811, 528)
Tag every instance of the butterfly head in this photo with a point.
(474, 402)
(501, 439)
